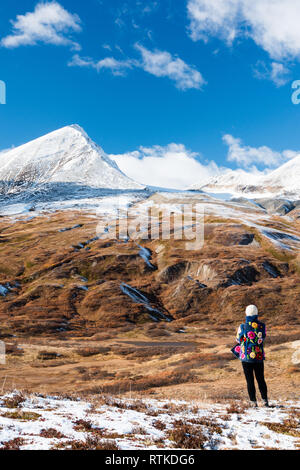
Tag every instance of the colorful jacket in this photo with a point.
(251, 336)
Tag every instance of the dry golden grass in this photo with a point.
(289, 427)
(76, 341)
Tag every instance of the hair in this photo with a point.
(251, 311)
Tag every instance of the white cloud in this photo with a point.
(213, 18)
(107, 47)
(172, 166)
(158, 63)
(163, 64)
(272, 24)
(49, 23)
(276, 72)
(246, 156)
(117, 67)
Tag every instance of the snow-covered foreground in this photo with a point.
(41, 423)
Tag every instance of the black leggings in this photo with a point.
(258, 369)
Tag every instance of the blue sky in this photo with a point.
(156, 82)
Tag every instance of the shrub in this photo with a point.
(14, 350)
(101, 337)
(14, 402)
(21, 415)
(92, 443)
(157, 332)
(14, 444)
(139, 430)
(87, 352)
(186, 436)
(47, 356)
(51, 434)
(211, 425)
(289, 427)
(236, 408)
(159, 425)
(83, 425)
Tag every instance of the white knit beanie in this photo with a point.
(251, 311)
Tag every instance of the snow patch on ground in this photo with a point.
(133, 424)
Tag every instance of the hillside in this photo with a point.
(85, 314)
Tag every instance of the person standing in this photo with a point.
(251, 336)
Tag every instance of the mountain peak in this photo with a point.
(72, 129)
(66, 155)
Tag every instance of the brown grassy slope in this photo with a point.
(65, 299)
(55, 285)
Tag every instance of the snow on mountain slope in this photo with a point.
(230, 181)
(286, 177)
(67, 155)
(284, 181)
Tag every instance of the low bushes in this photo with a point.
(87, 352)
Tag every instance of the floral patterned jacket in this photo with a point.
(250, 337)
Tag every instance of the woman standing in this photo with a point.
(250, 337)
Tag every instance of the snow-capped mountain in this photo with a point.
(229, 181)
(286, 178)
(67, 155)
(284, 181)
